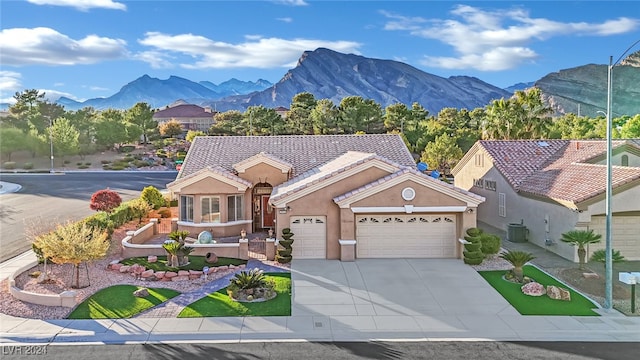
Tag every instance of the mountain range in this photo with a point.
(332, 75)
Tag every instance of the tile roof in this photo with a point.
(552, 168)
(183, 111)
(339, 165)
(303, 152)
(216, 170)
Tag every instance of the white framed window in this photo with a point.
(235, 207)
(186, 208)
(502, 205)
(210, 206)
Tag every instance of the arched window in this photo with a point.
(625, 160)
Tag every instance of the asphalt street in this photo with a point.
(332, 350)
(48, 199)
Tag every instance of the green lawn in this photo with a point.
(219, 303)
(118, 302)
(538, 305)
(195, 263)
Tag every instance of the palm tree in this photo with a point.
(581, 238)
(518, 259)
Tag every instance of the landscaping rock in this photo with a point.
(116, 267)
(180, 278)
(533, 289)
(152, 258)
(558, 293)
(146, 274)
(114, 262)
(195, 272)
(183, 273)
(141, 292)
(159, 274)
(590, 275)
(222, 268)
(124, 268)
(170, 274)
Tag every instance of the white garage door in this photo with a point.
(624, 235)
(405, 236)
(310, 237)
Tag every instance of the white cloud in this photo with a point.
(291, 2)
(45, 46)
(285, 19)
(83, 5)
(496, 40)
(253, 53)
(10, 83)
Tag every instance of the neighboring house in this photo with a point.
(554, 186)
(342, 195)
(282, 111)
(191, 117)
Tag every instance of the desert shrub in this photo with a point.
(87, 164)
(153, 196)
(127, 148)
(600, 256)
(117, 167)
(106, 167)
(83, 167)
(27, 166)
(139, 208)
(104, 162)
(165, 213)
(78, 164)
(490, 244)
(66, 162)
(9, 165)
(140, 163)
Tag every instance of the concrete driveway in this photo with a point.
(413, 296)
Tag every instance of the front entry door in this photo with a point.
(267, 213)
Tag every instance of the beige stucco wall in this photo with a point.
(264, 173)
(616, 159)
(209, 186)
(321, 203)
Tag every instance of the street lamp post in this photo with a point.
(608, 288)
(51, 142)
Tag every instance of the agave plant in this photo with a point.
(581, 238)
(251, 279)
(518, 259)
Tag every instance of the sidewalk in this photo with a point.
(6, 187)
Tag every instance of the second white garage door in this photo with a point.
(310, 237)
(405, 236)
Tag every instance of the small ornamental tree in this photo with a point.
(74, 243)
(105, 200)
(284, 254)
(153, 197)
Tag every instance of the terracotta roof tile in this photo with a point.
(303, 152)
(183, 111)
(552, 168)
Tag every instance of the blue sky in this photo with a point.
(91, 48)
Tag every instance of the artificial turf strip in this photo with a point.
(118, 302)
(195, 263)
(539, 305)
(220, 304)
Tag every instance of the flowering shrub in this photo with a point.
(533, 289)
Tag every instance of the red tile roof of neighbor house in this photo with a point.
(559, 169)
(183, 111)
(303, 152)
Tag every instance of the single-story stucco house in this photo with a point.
(553, 186)
(338, 193)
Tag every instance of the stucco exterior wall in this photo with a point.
(209, 186)
(321, 203)
(264, 173)
(424, 197)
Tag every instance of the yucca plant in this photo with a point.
(518, 259)
(581, 238)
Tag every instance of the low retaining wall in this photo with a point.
(231, 250)
(66, 298)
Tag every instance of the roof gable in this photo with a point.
(403, 174)
(265, 158)
(340, 168)
(216, 172)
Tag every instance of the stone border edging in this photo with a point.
(66, 298)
